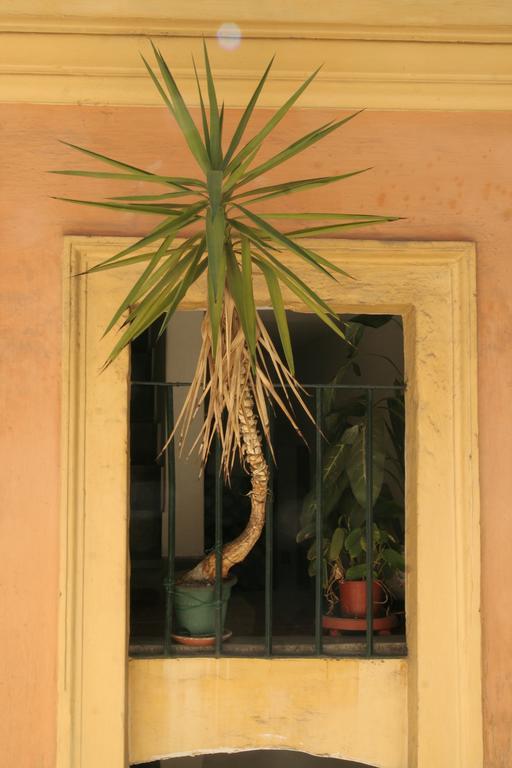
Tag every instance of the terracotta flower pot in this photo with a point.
(353, 598)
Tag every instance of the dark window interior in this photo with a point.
(270, 758)
(320, 357)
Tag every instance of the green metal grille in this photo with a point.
(220, 648)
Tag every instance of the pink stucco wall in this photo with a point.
(448, 173)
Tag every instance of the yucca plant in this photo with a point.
(239, 365)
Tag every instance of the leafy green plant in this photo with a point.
(344, 539)
(209, 228)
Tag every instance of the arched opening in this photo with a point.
(269, 758)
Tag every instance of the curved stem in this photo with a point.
(237, 550)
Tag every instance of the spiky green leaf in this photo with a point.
(182, 115)
(242, 125)
(215, 235)
(236, 287)
(296, 147)
(159, 88)
(248, 295)
(255, 143)
(156, 209)
(276, 298)
(332, 228)
(132, 294)
(150, 178)
(289, 187)
(162, 230)
(309, 256)
(215, 132)
(206, 131)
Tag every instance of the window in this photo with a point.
(432, 287)
(282, 603)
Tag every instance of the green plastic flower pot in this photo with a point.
(194, 607)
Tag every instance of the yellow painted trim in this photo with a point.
(482, 20)
(376, 55)
(93, 636)
(433, 286)
(320, 706)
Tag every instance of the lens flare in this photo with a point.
(229, 36)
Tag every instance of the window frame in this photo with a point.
(432, 713)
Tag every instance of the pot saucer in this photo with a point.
(381, 624)
(200, 641)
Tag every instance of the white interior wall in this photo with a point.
(182, 349)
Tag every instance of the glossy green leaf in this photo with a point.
(394, 559)
(356, 572)
(334, 460)
(307, 532)
(336, 545)
(353, 543)
(357, 469)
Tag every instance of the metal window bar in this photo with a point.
(319, 522)
(269, 545)
(369, 523)
(170, 504)
(218, 548)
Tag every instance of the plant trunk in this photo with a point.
(236, 551)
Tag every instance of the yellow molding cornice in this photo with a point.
(428, 20)
(427, 59)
